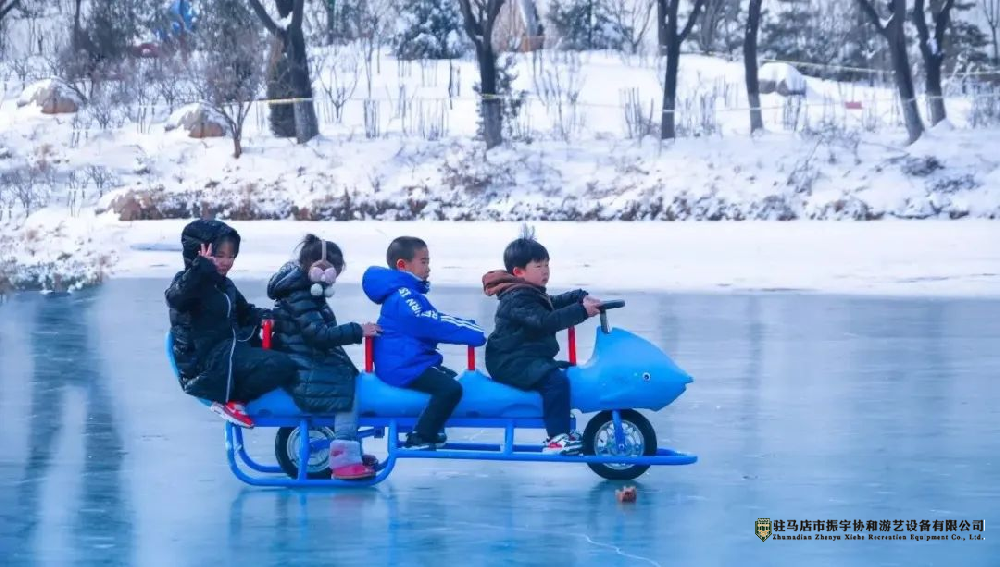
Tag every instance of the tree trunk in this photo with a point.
(661, 29)
(237, 142)
(288, 73)
(933, 53)
(492, 106)
(331, 21)
(667, 123)
(281, 116)
(996, 47)
(750, 64)
(895, 35)
(306, 125)
(904, 78)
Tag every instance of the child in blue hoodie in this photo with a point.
(406, 354)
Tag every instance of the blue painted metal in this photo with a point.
(625, 371)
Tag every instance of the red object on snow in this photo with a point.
(626, 495)
(853, 105)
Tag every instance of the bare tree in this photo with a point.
(895, 35)
(750, 65)
(230, 77)
(632, 17)
(671, 42)
(479, 17)
(340, 79)
(933, 51)
(991, 11)
(293, 42)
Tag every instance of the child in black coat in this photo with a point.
(215, 329)
(521, 350)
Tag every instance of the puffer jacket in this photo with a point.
(208, 316)
(522, 348)
(306, 329)
(411, 327)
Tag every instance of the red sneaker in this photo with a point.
(234, 412)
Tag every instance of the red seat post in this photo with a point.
(369, 354)
(572, 345)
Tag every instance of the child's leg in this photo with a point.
(345, 423)
(445, 394)
(554, 388)
(257, 371)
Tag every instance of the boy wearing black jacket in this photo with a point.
(521, 350)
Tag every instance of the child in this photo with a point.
(306, 328)
(521, 349)
(213, 327)
(406, 356)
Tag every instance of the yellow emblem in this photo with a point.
(763, 528)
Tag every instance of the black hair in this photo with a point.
(524, 250)
(403, 248)
(312, 250)
(227, 238)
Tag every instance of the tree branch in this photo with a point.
(469, 21)
(691, 20)
(268, 22)
(7, 8)
(297, 11)
(867, 7)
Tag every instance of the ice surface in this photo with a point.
(803, 407)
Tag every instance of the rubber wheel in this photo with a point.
(286, 450)
(598, 439)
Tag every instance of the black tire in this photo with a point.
(631, 419)
(286, 450)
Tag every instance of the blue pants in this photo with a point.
(554, 388)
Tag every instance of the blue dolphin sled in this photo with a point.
(625, 373)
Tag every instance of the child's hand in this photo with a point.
(593, 305)
(370, 330)
(206, 251)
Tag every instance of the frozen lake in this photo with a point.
(804, 407)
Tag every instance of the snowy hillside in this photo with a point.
(399, 141)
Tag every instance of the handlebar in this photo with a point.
(605, 305)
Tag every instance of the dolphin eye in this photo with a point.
(646, 376)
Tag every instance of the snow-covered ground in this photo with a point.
(887, 258)
(416, 158)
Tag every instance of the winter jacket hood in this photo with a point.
(287, 280)
(379, 283)
(498, 282)
(200, 232)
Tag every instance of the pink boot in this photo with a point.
(347, 463)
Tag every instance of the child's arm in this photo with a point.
(423, 321)
(534, 316)
(248, 314)
(568, 298)
(323, 335)
(187, 287)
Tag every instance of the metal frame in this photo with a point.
(376, 428)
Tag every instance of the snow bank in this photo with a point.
(891, 258)
(821, 177)
(55, 252)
